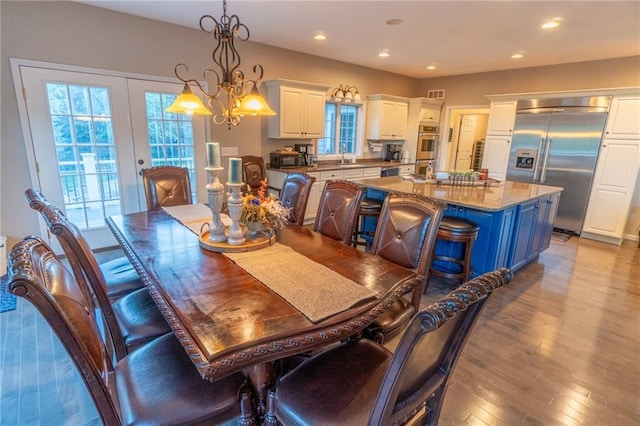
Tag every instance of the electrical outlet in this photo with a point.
(229, 151)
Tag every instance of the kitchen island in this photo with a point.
(515, 219)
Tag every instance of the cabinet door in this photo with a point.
(502, 116)
(524, 231)
(314, 115)
(543, 234)
(429, 113)
(400, 116)
(623, 121)
(388, 120)
(291, 112)
(613, 185)
(496, 156)
(313, 203)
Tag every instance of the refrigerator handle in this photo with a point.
(543, 175)
(536, 170)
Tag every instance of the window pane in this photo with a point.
(348, 123)
(327, 144)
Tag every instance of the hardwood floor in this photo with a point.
(559, 346)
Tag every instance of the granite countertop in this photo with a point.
(335, 166)
(496, 197)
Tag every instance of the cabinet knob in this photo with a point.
(604, 146)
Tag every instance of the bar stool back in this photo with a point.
(369, 207)
(446, 263)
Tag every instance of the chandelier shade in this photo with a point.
(234, 96)
(188, 103)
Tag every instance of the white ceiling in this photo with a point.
(458, 37)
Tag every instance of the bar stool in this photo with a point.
(449, 262)
(369, 208)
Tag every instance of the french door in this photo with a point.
(92, 133)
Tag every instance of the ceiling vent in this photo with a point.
(435, 94)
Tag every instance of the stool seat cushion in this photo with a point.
(369, 206)
(458, 225)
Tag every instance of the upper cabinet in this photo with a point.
(430, 113)
(299, 107)
(502, 117)
(624, 118)
(387, 117)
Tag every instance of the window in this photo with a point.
(340, 129)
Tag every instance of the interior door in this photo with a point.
(465, 142)
(81, 136)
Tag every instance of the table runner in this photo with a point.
(287, 272)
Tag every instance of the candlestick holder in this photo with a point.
(234, 204)
(215, 194)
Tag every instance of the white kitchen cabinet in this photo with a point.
(614, 181)
(430, 113)
(300, 109)
(624, 118)
(406, 170)
(387, 117)
(496, 156)
(371, 172)
(502, 117)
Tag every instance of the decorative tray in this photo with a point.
(253, 241)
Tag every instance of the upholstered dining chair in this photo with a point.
(166, 186)
(377, 387)
(406, 235)
(295, 195)
(253, 173)
(158, 384)
(338, 209)
(119, 274)
(132, 320)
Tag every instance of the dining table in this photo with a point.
(230, 317)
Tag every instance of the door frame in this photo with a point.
(17, 63)
(447, 142)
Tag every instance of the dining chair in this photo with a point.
(158, 384)
(377, 387)
(295, 195)
(166, 186)
(405, 235)
(132, 320)
(338, 210)
(253, 173)
(119, 274)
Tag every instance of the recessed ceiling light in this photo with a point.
(320, 36)
(384, 54)
(431, 67)
(517, 56)
(394, 21)
(554, 23)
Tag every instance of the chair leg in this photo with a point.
(270, 414)
(247, 414)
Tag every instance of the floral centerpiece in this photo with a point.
(263, 209)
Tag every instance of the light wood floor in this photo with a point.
(559, 346)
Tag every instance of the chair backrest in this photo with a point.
(39, 277)
(83, 264)
(338, 210)
(253, 172)
(295, 195)
(427, 353)
(406, 233)
(166, 186)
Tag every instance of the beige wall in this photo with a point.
(77, 34)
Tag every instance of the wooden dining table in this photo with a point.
(226, 319)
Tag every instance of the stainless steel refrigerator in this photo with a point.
(556, 142)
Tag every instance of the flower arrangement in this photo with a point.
(263, 209)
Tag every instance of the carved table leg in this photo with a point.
(262, 377)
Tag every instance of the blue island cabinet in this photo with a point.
(492, 248)
(533, 228)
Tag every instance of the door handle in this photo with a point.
(543, 176)
(536, 169)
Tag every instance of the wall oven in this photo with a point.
(427, 142)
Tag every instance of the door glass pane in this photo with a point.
(85, 150)
(170, 135)
(327, 144)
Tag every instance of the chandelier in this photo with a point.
(234, 96)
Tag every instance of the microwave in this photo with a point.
(285, 159)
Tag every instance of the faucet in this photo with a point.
(344, 148)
